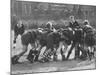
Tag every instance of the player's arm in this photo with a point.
(15, 29)
(69, 25)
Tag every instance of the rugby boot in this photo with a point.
(30, 56)
(63, 57)
(14, 41)
(36, 58)
(83, 56)
(14, 60)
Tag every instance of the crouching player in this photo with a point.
(33, 55)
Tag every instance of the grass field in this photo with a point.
(53, 66)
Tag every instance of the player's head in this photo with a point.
(20, 23)
(72, 18)
(49, 25)
(86, 22)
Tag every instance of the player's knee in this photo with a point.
(24, 48)
(70, 52)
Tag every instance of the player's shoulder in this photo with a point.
(76, 21)
(89, 26)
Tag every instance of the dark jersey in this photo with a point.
(29, 37)
(73, 25)
(18, 30)
(90, 38)
(49, 30)
(88, 29)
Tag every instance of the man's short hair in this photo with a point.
(71, 17)
(49, 24)
(85, 22)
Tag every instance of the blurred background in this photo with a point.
(36, 14)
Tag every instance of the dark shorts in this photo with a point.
(28, 38)
(90, 40)
(19, 33)
(25, 39)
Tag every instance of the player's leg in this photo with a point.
(14, 41)
(17, 57)
(15, 37)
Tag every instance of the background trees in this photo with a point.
(35, 11)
